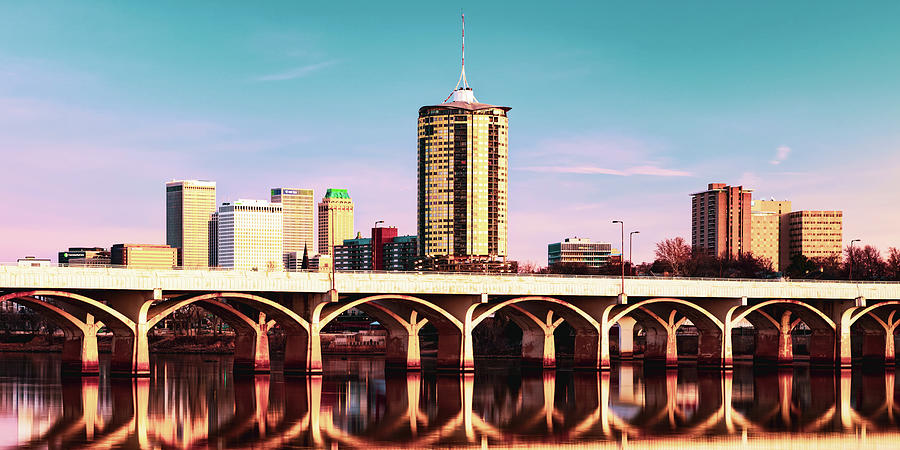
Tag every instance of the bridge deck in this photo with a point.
(15, 277)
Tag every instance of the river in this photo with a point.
(195, 401)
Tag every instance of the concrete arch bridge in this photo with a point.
(845, 320)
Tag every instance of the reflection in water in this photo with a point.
(194, 402)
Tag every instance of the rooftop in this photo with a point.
(337, 193)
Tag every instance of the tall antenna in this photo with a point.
(463, 75)
(462, 84)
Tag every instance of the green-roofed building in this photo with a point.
(335, 219)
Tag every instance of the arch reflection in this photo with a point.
(203, 405)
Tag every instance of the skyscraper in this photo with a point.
(299, 208)
(462, 176)
(189, 207)
(720, 220)
(335, 219)
(250, 235)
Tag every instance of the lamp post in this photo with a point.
(851, 257)
(621, 257)
(630, 239)
(331, 238)
(374, 266)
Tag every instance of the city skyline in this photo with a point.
(770, 100)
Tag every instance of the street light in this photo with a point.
(851, 257)
(373, 242)
(621, 253)
(630, 238)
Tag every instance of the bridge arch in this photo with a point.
(433, 311)
(538, 317)
(658, 318)
(282, 314)
(109, 316)
(80, 353)
(876, 331)
(806, 311)
(773, 322)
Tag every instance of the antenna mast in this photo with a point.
(463, 84)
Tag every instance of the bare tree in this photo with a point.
(893, 263)
(529, 267)
(867, 263)
(674, 253)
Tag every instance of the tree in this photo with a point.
(893, 264)
(674, 253)
(866, 262)
(529, 267)
(570, 268)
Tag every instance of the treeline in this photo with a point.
(675, 258)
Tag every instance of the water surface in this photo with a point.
(196, 402)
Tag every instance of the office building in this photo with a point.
(354, 254)
(462, 180)
(400, 253)
(720, 220)
(144, 256)
(299, 209)
(84, 256)
(251, 235)
(579, 251)
(814, 234)
(335, 219)
(765, 229)
(189, 207)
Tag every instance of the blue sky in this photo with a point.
(619, 110)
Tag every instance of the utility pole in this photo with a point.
(630, 241)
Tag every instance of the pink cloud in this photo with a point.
(591, 170)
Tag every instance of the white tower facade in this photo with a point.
(251, 235)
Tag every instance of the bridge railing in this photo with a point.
(43, 264)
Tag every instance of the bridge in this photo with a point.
(846, 320)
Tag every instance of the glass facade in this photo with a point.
(462, 180)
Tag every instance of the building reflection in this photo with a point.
(184, 406)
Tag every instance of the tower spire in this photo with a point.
(462, 92)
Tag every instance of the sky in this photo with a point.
(620, 110)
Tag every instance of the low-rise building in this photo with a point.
(579, 251)
(31, 261)
(813, 234)
(386, 251)
(84, 256)
(400, 253)
(354, 254)
(144, 256)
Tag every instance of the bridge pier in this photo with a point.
(251, 347)
(79, 352)
(661, 345)
(626, 338)
(130, 348)
(402, 349)
(587, 349)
